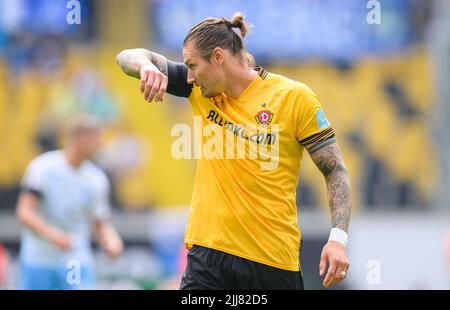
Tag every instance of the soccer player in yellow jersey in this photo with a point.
(242, 231)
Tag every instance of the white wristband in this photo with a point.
(337, 234)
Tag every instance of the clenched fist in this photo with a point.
(153, 83)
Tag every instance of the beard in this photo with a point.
(208, 94)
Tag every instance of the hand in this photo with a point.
(153, 83)
(113, 246)
(333, 253)
(61, 240)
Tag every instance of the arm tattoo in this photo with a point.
(160, 62)
(132, 60)
(327, 157)
(320, 145)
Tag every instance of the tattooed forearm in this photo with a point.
(328, 159)
(320, 145)
(132, 60)
(338, 187)
(160, 62)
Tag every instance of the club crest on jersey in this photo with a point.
(263, 118)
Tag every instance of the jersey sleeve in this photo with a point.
(312, 124)
(34, 179)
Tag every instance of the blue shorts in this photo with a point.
(56, 278)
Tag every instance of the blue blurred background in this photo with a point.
(384, 84)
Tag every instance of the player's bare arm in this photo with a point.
(327, 157)
(157, 74)
(132, 60)
(26, 212)
(108, 238)
(149, 67)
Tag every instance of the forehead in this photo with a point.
(87, 132)
(190, 53)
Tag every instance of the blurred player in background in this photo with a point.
(64, 194)
(242, 230)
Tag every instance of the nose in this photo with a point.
(190, 77)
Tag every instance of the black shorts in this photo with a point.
(209, 269)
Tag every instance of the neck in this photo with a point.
(240, 78)
(73, 158)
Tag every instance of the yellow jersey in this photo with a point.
(244, 199)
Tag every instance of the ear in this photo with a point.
(218, 55)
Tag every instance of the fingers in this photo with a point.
(329, 278)
(144, 78)
(341, 273)
(114, 247)
(60, 240)
(154, 88)
(342, 270)
(65, 243)
(334, 254)
(162, 88)
(115, 250)
(323, 264)
(148, 86)
(336, 272)
(67, 247)
(153, 85)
